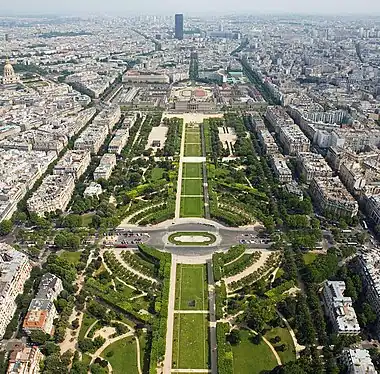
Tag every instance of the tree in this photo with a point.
(5, 227)
(39, 337)
(234, 337)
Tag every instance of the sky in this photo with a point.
(126, 7)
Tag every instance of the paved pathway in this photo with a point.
(192, 311)
(211, 298)
(180, 173)
(170, 321)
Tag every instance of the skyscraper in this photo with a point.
(179, 26)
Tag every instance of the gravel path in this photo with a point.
(170, 322)
(180, 173)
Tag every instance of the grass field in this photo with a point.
(192, 207)
(122, 355)
(87, 219)
(72, 257)
(283, 333)
(309, 257)
(192, 187)
(250, 358)
(191, 170)
(192, 150)
(192, 137)
(157, 173)
(191, 287)
(190, 345)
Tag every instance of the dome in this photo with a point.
(9, 76)
(8, 68)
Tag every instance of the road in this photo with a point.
(211, 299)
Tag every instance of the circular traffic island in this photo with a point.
(192, 238)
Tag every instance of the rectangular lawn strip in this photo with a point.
(192, 207)
(122, 355)
(192, 170)
(192, 138)
(191, 343)
(250, 358)
(192, 150)
(192, 187)
(290, 353)
(72, 257)
(191, 287)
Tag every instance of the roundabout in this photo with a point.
(192, 238)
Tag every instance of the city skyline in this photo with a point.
(336, 7)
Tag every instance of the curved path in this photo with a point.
(128, 219)
(297, 347)
(268, 343)
(90, 328)
(130, 268)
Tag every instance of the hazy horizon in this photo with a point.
(113, 7)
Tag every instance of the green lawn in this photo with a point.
(192, 170)
(122, 355)
(87, 321)
(283, 333)
(72, 257)
(87, 219)
(192, 187)
(193, 150)
(192, 207)
(191, 287)
(250, 358)
(192, 138)
(190, 343)
(86, 359)
(309, 257)
(157, 173)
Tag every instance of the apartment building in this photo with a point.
(119, 141)
(358, 361)
(293, 140)
(278, 118)
(24, 360)
(106, 165)
(108, 117)
(15, 269)
(373, 208)
(40, 317)
(92, 138)
(352, 176)
(267, 141)
(54, 194)
(339, 309)
(332, 197)
(281, 169)
(369, 268)
(41, 312)
(311, 165)
(74, 162)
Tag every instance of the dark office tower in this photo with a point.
(179, 26)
